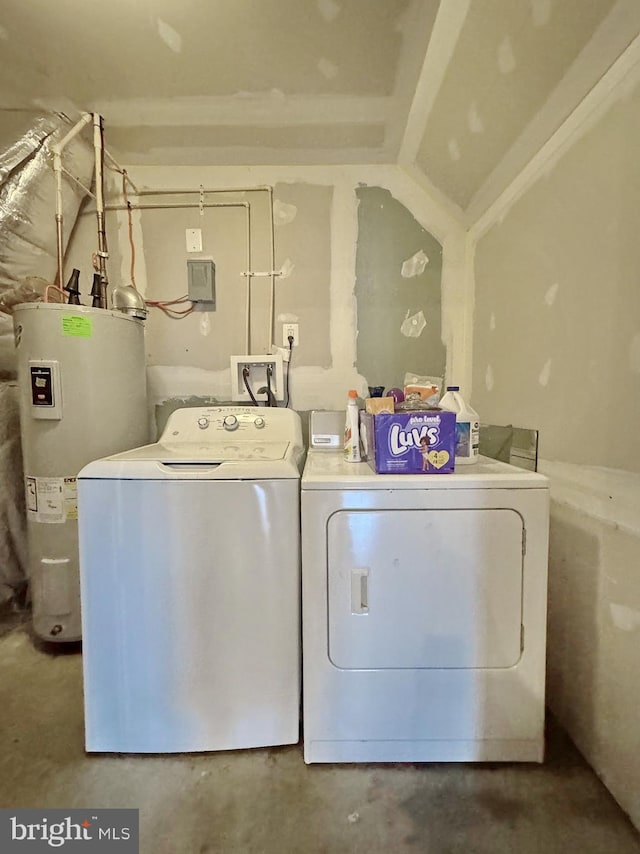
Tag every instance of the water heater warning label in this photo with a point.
(70, 498)
(52, 500)
(77, 326)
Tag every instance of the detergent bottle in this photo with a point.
(352, 429)
(467, 425)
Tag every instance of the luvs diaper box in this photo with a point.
(421, 442)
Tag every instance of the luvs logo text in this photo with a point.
(401, 440)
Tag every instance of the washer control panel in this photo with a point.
(246, 423)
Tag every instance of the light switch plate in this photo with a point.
(194, 239)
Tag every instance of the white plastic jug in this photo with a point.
(467, 425)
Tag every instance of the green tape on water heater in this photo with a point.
(77, 326)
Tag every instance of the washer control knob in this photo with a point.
(259, 422)
(230, 422)
(203, 423)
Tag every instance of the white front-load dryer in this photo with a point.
(190, 586)
(424, 613)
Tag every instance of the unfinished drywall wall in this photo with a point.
(398, 292)
(594, 621)
(556, 344)
(302, 256)
(508, 59)
(316, 241)
(230, 224)
(557, 307)
(302, 214)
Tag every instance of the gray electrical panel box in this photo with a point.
(202, 282)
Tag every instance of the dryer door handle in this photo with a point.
(360, 591)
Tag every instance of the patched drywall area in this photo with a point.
(175, 144)
(557, 303)
(398, 292)
(302, 216)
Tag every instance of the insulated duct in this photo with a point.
(27, 215)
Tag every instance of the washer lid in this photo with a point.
(200, 461)
(203, 452)
(330, 471)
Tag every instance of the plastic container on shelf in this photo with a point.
(352, 429)
(467, 425)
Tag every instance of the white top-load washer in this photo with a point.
(190, 583)
(424, 613)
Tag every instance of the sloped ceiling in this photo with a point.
(465, 91)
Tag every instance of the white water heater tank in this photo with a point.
(82, 381)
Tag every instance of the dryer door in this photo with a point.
(425, 588)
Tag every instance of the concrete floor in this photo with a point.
(269, 802)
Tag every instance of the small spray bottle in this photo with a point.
(352, 429)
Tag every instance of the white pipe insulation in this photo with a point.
(57, 150)
(102, 253)
(272, 292)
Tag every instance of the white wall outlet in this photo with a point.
(194, 239)
(257, 379)
(290, 329)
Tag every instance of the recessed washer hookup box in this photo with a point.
(411, 442)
